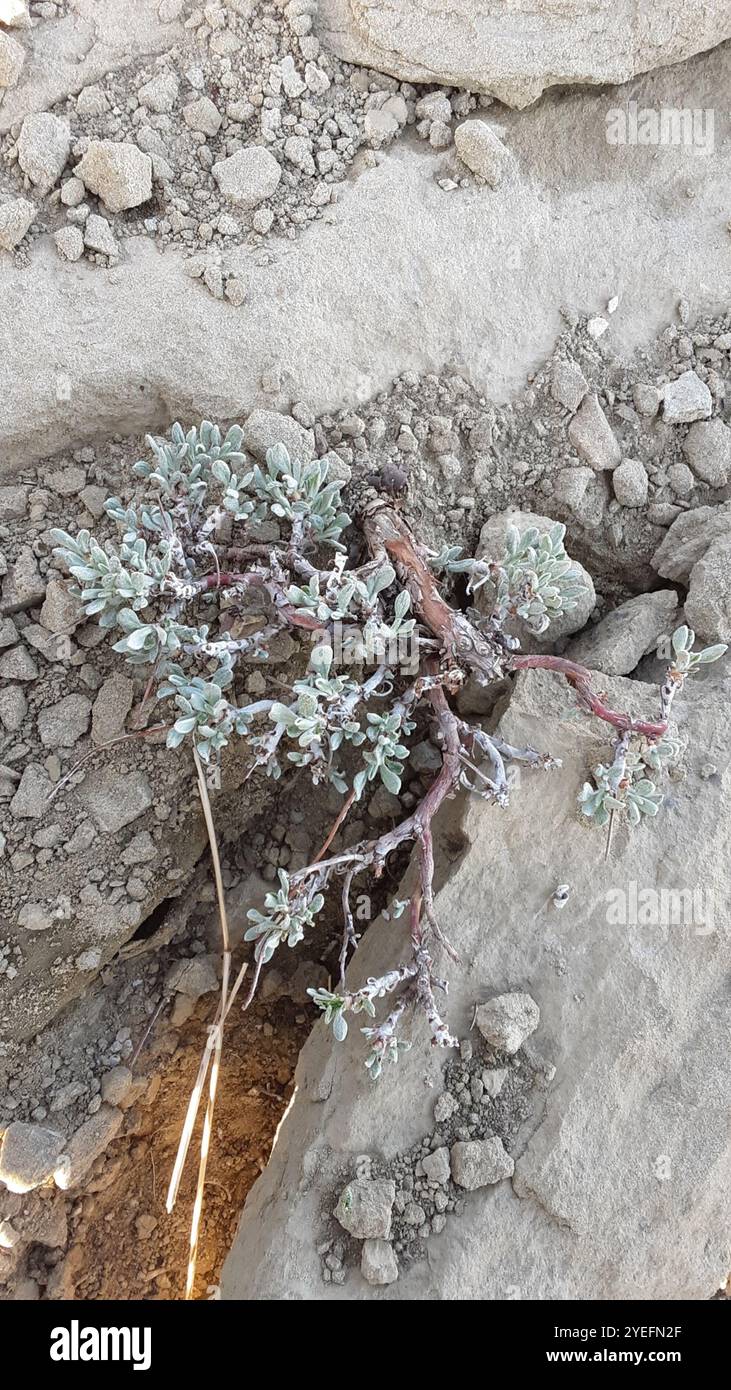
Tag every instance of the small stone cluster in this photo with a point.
(394, 1207)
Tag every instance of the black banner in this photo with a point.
(153, 1340)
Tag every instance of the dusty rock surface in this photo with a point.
(440, 264)
(514, 55)
(621, 1171)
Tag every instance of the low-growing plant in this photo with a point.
(189, 590)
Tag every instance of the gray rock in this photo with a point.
(12, 58)
(69, 243)
(160, 93)
(378, 1263)
(61, 612)
(568, 384)
(118, 172)
(31, 797)
(647, 399)
(248, 177)
(141, 849)
(681, 479)
(482, 150)
(686, 399)
(92, 101)
(707, 448)
(22, 586)
(98, 236)
(13, 502)
(592, 437)
(35, 917)
(9, 634)
(617, 643)
(265, 428)
(436, 1165)
(43, 148)
(13, 708)
(16, 215)
(63, 724)
(115, 799)
(111, 707)
(18, 665)
(445, 1107)
(480, 1163)
(28, 1155)
(507, 1020)
(338, 471)
(688, 539)
(364, 1208)
(116, 1085)
(630, 483)
(72, 192)
(571, 485)
(194, 977)
(87, 1144)
(203, 115)
(708, 604)
(493, 1080)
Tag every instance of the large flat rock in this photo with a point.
(402, 276)
(515, 51)
(622, 1180)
